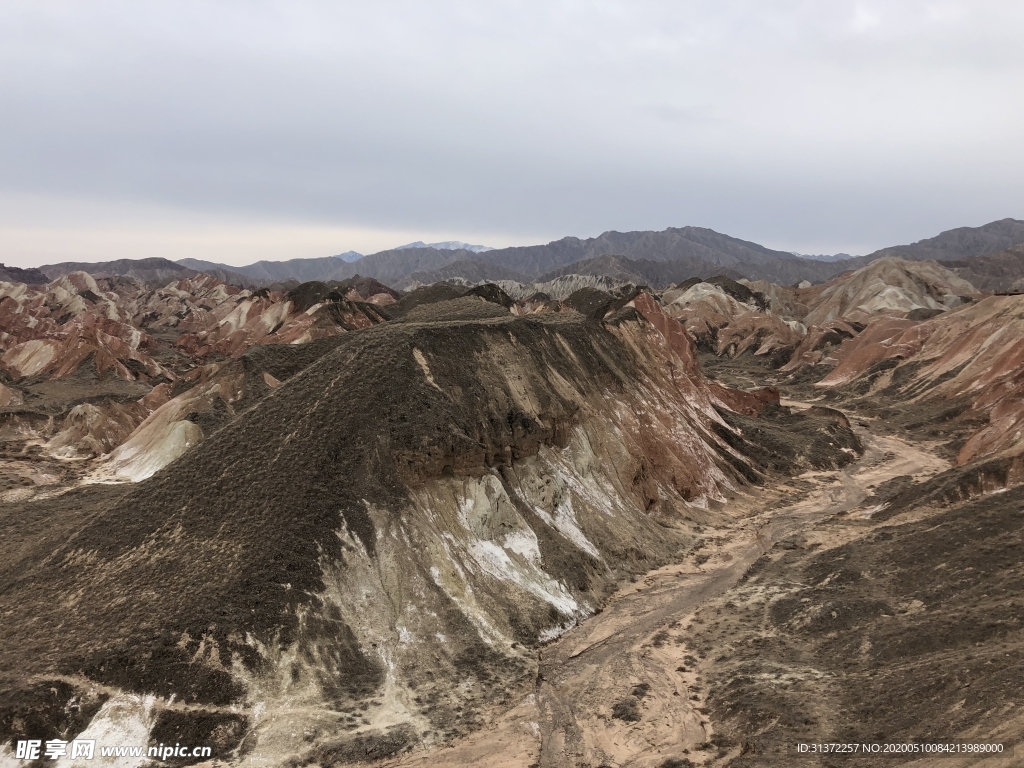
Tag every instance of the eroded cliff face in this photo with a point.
(374, 549)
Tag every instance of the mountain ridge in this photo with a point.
(702, 250)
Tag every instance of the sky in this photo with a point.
(238, 131)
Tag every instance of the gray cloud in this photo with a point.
(811, 126)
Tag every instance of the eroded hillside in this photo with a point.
(111, 377)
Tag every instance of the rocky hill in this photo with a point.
(959, 243)
(1001, 272)
(887, 285)
(112, 370)
(796, 326)
(657, 274)
(964, 364)
(467, 271)
(17, 275)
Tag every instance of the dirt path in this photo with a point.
(621, 688)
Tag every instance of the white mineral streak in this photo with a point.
(151, 449)
(8, 759)
(486, 509)
(125, 720)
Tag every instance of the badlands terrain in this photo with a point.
(512, 521)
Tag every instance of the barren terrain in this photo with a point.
(630, 686)
(337, 524)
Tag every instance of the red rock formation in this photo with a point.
(118, 327)
(680, 343)
(975, 352)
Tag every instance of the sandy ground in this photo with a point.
(615, 691)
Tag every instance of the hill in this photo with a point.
(657, 274)
(959, 243)
(17, 275)
(265, 272)
(695, 247)
(1001, 272)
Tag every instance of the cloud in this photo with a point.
(514, 120)
(865, 19)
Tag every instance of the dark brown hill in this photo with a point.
(672, 244)
(959, 243)
(695, 247)
(952, 245)
(266, 272)
(17, 275)
(394, 265)
(1001, 272)
(145, 270)
(367, 287)
(390, 266)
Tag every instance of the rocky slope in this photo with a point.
(889, 286)
(18, 275)
(900, 627)
(960, 243)
(656, 274)
(996, 272)
(90, 367)
(469, 272)
(897, 617)
(798, 326)
(729, 318)
(964, 365)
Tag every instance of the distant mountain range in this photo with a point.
(1002, 271)
(349, 256)
(655, 258)
(446, 245)
(693, 250)
(824, 257)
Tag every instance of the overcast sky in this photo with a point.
(236, 131)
